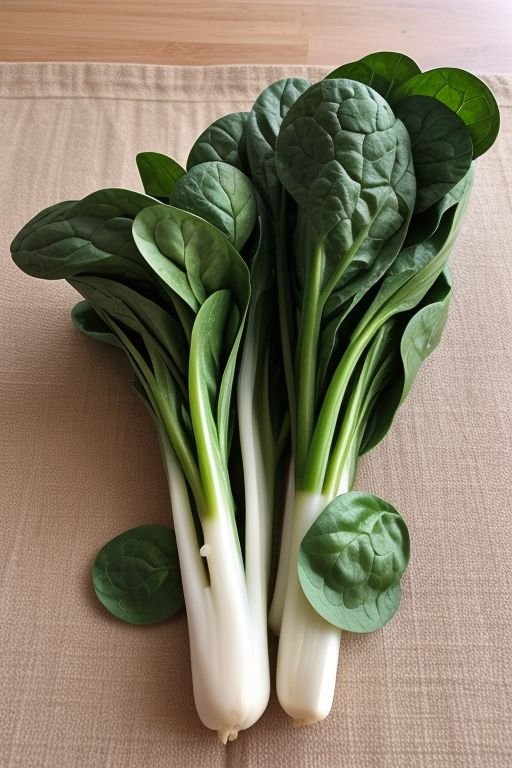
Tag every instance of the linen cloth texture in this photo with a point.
(79, 463)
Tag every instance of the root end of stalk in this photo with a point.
(228, 734)
(301, 722)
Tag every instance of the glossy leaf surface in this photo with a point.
(382, 71)
(465, 95)
(159, 174)
(92, 236)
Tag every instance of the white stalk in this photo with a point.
(259, 497)
(307, 659)
(222, 646)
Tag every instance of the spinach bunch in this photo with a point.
(276, 300)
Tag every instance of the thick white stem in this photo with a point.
(219, 622)
(259, 496)
(309, 646)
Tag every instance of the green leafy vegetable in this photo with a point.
(136, 576)
(91, 235)
(383, 71)
(263, 126)
(465, 95)
(222, 195)
(223, 140)
(441, 146)
(347, 162)
(423, 332)
(86, 320)
(351, 561)
(158, 174)
(302, 256)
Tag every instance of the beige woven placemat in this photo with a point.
(79, 463)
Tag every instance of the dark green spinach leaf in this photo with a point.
(263, 126)
(465, 95)
(220, 194)
(86, 320)
(441, 145)
(158, 174)
(223, 140)
(92, 236)
(382, 71)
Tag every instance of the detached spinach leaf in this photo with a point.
(382, 71)
(351, 561)
(136, 576)
(158, 174)
(465, 95)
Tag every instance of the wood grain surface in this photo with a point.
(468, 33)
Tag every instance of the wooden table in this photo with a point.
(466, 33)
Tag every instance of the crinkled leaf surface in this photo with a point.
(136, 576)
(159, 174)
(263, 126)
(346, 160)
(351, 561)
(220, 194)
(442, 149)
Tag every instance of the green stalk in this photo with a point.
(354, 414)
(212, 470)
(321, 443)
(148, 380)
(307, 347)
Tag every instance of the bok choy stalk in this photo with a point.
(371, 306)
(346, 161)
(173, 292)
(219, 192)
(381, 197)
(261, 395)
